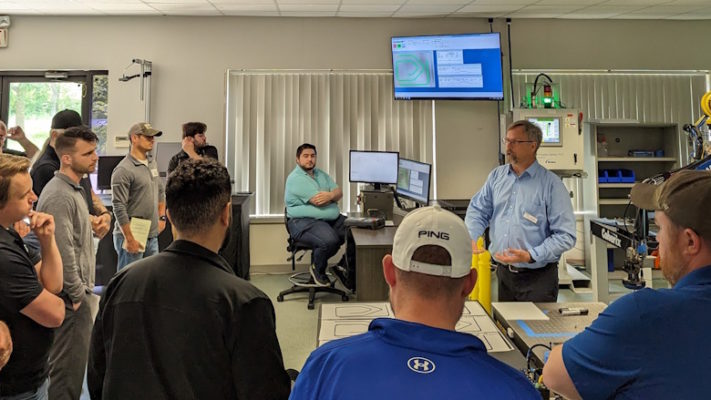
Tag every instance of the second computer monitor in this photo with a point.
(376, 167)
(413, 181)
(105, 169)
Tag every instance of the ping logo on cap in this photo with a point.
(438, 235)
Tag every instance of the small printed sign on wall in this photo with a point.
(3, 37)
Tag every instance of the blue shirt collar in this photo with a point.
(701, 276)
(531, 171)
(422, 337)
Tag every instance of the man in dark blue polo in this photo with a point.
(651, 344)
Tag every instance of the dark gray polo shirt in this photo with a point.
(136, 190)
(65, 201)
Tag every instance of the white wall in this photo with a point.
(191, 55)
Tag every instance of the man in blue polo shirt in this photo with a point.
(651, 344)
(311, 199)
(417, 355)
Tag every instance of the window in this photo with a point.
(30, 100)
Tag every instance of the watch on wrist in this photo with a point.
(162, 218)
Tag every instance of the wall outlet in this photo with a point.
(121, 142)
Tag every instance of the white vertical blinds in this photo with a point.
(639, 96)
(270, 113)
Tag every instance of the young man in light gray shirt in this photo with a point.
(63, 198)
(137, 192)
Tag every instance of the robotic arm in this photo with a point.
(637, 251)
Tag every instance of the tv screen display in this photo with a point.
(466, 66)
(413, 181)
(105, 169)
(377, 167)
(550, 128)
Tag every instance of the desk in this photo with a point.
(370, 248)
(556, 329)
(339, 320)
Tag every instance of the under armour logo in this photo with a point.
(421, 365)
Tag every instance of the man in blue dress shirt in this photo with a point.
(651, 344)
(530, 218)
(417, 354)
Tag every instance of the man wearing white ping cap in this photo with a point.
(417, 355)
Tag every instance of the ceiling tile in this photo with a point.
(433, 9)
(371, 2)
(477, 15)
(416, 14)
(308, 13)
(601, 12)
(370, 14)
(247, 7)
(195, 2)
(489, 8)
(370, 8)
(635, 2)
(182, 7)
(320, 8)
(252, 13)
(688, 2)
(116, 6)
(438, 2)
(301, 2)
(504, 2)
(569, 2)
(544, 11)
(659, 12)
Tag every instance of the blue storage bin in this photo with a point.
(627, 175)
(614, 176)
(602, 176)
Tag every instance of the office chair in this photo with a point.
(302, 281)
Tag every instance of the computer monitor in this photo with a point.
(413, 181)
(550, 126)
(105, 169)
(376, 167)
(164, 152)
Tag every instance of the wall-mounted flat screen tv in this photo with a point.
(463, 66)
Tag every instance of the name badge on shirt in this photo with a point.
(154, 172)
(530, 217)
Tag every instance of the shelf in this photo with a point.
(636, 159)
(615, 185)
(613, 202)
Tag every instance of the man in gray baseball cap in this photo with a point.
(649, 343)
(137, 192)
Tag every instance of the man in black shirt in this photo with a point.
(180, 324)
(194, 145)
(29, 284)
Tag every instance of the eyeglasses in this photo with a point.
(506, 141)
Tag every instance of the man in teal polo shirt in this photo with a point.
(311, 199)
